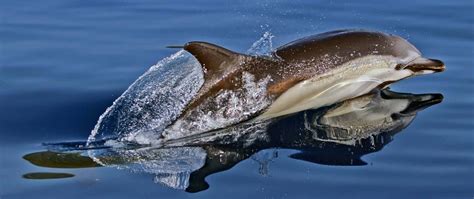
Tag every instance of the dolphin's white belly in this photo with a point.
(352, 79)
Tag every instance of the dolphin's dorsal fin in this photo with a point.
(214, 59)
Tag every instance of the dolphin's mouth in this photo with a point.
(423, 65)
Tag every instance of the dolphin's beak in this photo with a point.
(424, 65)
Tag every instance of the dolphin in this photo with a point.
(311, 72)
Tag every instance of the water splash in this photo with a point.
(236, 107)
(152, 102)
(157, 98)
(263, 46)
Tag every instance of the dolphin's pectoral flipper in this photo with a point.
(214, 59)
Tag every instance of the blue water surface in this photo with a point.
(62, 63)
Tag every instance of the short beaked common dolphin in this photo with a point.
(311, 72)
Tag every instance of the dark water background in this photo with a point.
(63, 62)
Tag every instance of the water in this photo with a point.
(64, 62)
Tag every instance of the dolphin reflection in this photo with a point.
(336, 135)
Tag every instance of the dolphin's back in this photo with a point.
(345, 45)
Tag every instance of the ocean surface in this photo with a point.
(62, 63)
